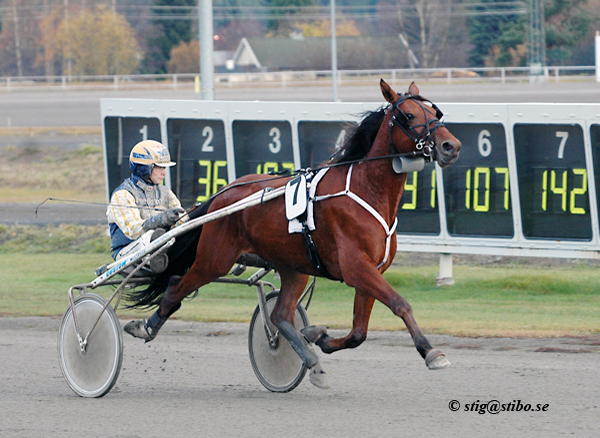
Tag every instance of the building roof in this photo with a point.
(315, 53)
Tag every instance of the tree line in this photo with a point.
(109, 37)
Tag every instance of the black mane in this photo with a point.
(358, 144)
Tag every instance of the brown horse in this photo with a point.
(354, 232)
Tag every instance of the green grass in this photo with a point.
(39, 264)
(66, 238)
(485, 301)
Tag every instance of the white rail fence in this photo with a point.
(302, 78)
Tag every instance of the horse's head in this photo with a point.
(415, 127)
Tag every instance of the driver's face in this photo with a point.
(158, 175)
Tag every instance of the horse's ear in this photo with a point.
(413, 90)
(387, 91)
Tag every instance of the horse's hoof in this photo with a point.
(313, 333)
(138, 329)
(318, 376)
(436, 360)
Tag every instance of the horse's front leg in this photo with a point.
(283, 315)
(363, 305)
(370, 280)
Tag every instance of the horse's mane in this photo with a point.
(358, 144)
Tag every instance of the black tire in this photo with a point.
(279, 369)
(94, 372)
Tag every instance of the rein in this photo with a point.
(424, 143)
(104, 204)
(287, 173)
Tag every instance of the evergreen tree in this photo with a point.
(567, 22)
(501, 40)
(279, 25)
(487, 29)
(173, 25)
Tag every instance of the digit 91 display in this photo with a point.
(553, 181)
(477, 186)
(418, 212)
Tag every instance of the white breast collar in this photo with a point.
(346, 192)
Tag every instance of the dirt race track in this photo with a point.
(195, 380)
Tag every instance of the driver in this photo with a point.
(141, 208)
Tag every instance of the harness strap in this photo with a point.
(346, 192)
(312, 253)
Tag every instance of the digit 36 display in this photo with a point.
(200, 151)
(524, 184)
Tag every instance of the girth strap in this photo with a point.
(312, 253)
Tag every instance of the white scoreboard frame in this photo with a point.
(507, 115)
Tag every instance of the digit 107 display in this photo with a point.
(477, 186)
(262, 147)
(553, 181)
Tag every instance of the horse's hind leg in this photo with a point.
(203, 271)
(283, 315)
(178, 289)
(363, 305)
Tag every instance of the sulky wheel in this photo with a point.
(93, 371)
(276, 365)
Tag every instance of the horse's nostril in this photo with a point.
(449, 146)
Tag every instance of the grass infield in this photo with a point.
(485, 301)
(39, 264)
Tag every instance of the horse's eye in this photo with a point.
(410, 117)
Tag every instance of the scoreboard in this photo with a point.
(525, 182)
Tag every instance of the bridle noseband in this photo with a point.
(425, 138)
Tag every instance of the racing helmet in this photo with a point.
(147, 154)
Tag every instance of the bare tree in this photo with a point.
(17, 39)
(425, 26)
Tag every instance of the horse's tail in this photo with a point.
(181, 257)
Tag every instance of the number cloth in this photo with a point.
(295, 225)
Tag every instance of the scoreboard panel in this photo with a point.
(553, 187)
(418, 212)
(262, 147)
(200, 151)
(525, 182)
(477, 186)
(319, 140)
(121, 135)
